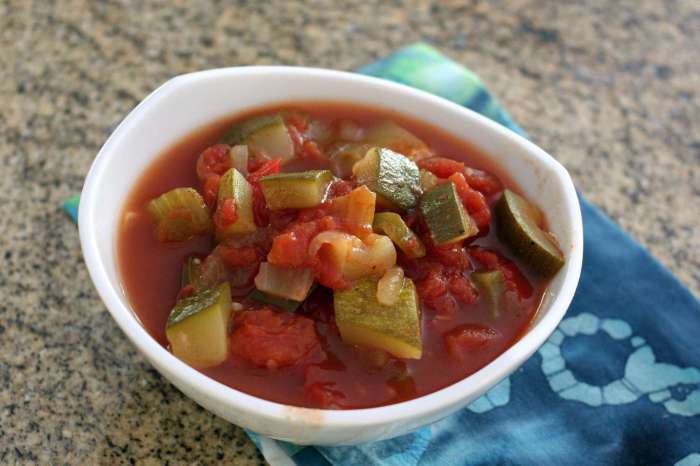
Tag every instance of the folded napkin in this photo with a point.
(617, 383)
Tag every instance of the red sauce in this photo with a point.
(314, 367)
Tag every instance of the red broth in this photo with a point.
(150, 274)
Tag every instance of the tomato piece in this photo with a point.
(185, 292)
(210, 190)
(270, 167)
(513, 277)
(484, 182)
(340, 188)
(239, 256)
(441, 167)
(272, 339)
(290, 249)
(462, 289)
(310, 150)
(225, 214)
(319, 391)
(474, 202)
(469, 338)
(214, 160)
(450, 255)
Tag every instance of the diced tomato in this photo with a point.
(225, 214)
(296, 121)
(210, 190)
(451, 255)
(310, 150)
(462, 289)
(514, 278)
(474, 202)
(272, 339)
(326, 271)
(290, 249)
(185, 292)
(214, 160)
(440, 166)
(340, 188)
(484, 182)
(268, 168)
(239, 256)
(432, 285)
(319, 391)
(468, 338)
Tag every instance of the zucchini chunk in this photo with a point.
(181, 214)
(197, 327)
(392, 225)
(296, 190)
(492, 285)
(235, 186)
(445, 216)
(288, 305)
(267, 134)
(287, 283)
(389, 134)
(517, 221)
(362, 320)
(394, 177)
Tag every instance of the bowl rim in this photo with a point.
(218, 393)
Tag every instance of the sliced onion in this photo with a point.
(389, 286)
(288, 283)
(348, 130)
(239, 158)
(374, 256)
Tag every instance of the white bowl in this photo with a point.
(190, 101)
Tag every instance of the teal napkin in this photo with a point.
(617, 383)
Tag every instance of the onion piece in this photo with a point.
(389, 286)
(288, 283)
(239, 158)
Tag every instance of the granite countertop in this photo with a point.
(612, 89)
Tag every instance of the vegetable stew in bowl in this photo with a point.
(330, 255)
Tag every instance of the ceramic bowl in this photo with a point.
(190, 101)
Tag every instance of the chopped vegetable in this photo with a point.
(239, 158)
(266, 134)
(264, 298)
(444, 214)
(363, 320)
(345, 156)
(518, 228)
(287, 283)
(390, 285)
(197, 327)
(389, 134)
(427, 180)
(295, 190)
(492, 285)
(392, 225)
(394, 178)
(190, 271)
(352, 257)
(181, 214)
(234, 187)
(356, 210)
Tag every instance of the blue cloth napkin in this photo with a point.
(617, 383)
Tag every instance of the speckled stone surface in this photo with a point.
(612, 89)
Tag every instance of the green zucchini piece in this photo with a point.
(389, 134)
(264, 298)
(287, 283)
(492, 285)
(394, 177)
(295, 190)
(445, 216)
(197, 327)
(518, 228)
(392, 225)
(267, 134)
(427, 180)
(181, 213)
(235, 186)
(190, 271)
(362, 320)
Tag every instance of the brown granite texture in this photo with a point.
(612, 89)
